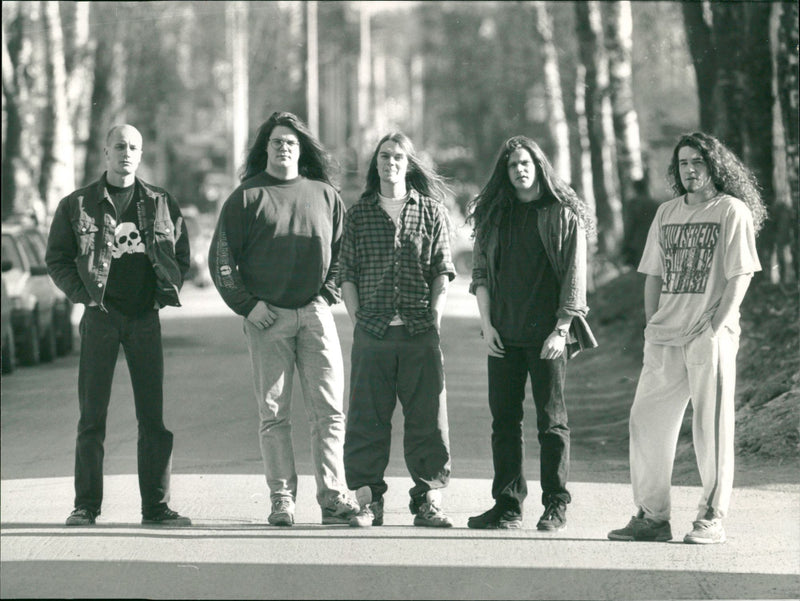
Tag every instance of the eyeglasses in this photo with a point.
(278, 143)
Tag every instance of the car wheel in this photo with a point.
(29, 345)
(9, 356)
(47, 346)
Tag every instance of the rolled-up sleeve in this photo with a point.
(441, 258)
(480, 276)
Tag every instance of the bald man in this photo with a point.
(119, 246)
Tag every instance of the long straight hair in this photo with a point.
(314, 163)
(418, 177)
(497, 196)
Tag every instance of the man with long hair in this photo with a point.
(273, 259)
(699, 259)
(529, 278)
(395, 269)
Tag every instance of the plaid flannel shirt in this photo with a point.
(393, 267)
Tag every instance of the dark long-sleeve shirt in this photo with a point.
(277, 241)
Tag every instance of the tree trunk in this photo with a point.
(758, 118)
(788, 81)
(312, 67)
(728, 36)
(557, 121)
(598, 116)
(619, 44)
(58, 158)
(20, 72)
(584, 179)
(696, 19)
(108, 91)
(79, 49)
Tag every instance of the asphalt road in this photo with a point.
(231, 552)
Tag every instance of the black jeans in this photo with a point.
(101, 335)
(507, 378)
(409, 368)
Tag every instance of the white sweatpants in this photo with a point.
(704, 370)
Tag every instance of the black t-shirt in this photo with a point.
(523, 310)
(131, 280)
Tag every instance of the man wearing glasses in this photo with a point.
(274, 259)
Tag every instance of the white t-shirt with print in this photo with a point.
(695, 250)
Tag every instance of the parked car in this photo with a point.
(40, 312)
(64, 330)
(8, 354)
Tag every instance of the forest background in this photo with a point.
(606, 88)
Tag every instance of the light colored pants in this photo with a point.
(704, 370)
(305, 337)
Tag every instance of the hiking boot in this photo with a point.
(429, 513)
(706, 532)
(282, 512)
(641, 528)
(370, 512)
(166, 517)
(340, 511)
(496, 518)
(81, 516)
(554, 517)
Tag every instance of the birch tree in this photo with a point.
(21, 71)
(559, 131)
(58, 153)
(108, 90)
(598, 115)
(619, 44)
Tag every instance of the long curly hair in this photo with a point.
(496, 198)
(314, 163)
(418, 176)
(728, 173)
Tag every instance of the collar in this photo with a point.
(99, 188)
(413, 196)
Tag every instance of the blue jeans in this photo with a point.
(140, 337)
(507, 378)
(306, 338)
(384, 369)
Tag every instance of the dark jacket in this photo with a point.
(564, 241)
(82, 237)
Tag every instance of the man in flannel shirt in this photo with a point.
(395, 266)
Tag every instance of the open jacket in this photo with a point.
(82, 237)
(564, 240)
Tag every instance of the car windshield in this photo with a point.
(11, 253)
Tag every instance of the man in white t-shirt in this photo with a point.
(699, 259)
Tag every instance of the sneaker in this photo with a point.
(282, 512)
(554, 517)
(429, 513)
(370, 512)
(81, 516)
(166, 517)
(706, 532)
(340, 511)
(641, 528)
(496, 518)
